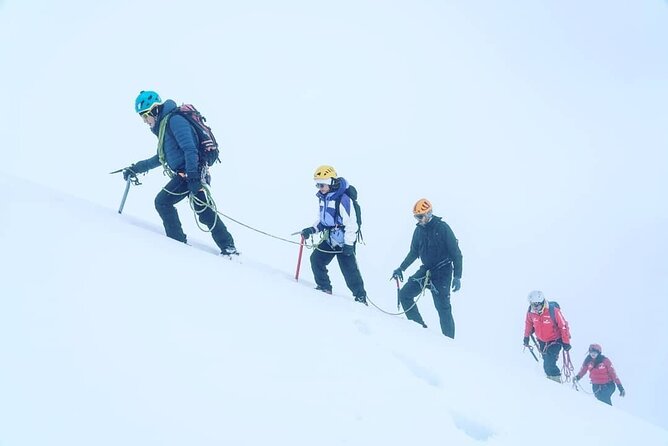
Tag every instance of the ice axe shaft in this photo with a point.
(398, 291)
(125, 195)
(299, 258)
(532, 353)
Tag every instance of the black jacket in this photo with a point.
(434, 243)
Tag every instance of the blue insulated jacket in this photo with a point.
(342, 225)
(180, 144)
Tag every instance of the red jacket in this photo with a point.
(545, 328)
(601, 373)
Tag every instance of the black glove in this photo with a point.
(456, 284)
(307, 232)
(526, 341)
(621, 390)
(348, 250)
(194, 185)
(567, 347)
(398, 274)
(577, 378)
(129, 172)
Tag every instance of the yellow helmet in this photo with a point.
(324, 174)
(423, 206)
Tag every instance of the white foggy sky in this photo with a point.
(537, 130)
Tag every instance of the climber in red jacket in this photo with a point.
(546, 320)
(602, 375)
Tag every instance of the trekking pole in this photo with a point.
(398, 299)
(299, 258)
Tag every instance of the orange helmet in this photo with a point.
(423, 206)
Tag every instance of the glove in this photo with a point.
(621, 390)
(307, 232)
(456, 284)
(348, 250)
(194, 185)
(577, 378)
(526, 341)
(567, 347)
(129, 172)
(398, 274)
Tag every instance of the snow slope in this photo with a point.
(113, 334)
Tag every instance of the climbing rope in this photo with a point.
(425, 283)
(210, 204)
(580, 388)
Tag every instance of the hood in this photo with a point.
(335, 194)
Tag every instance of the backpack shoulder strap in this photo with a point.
(337, 203)
(551, 307)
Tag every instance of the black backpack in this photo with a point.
(208, 148)
(352, 193)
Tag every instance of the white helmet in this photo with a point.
(536, 297)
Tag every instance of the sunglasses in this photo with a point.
(536, 304)
(420, 216)
(593, 351)
(320, 185)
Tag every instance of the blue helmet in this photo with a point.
(146, 100)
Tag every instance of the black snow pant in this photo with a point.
(175, 191)
(439, 285)
(604, 392)
(550, 356)
(323, 255)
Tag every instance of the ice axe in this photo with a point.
(535, 343)
(299, 258)
(532, 353)
(130, 179)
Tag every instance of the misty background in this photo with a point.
(536, 130)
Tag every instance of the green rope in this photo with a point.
(208, 203)
(202, 203)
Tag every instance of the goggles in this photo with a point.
(150, 112)
(420, 216)
(321, 185)
(537, 304)
(593, 351)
